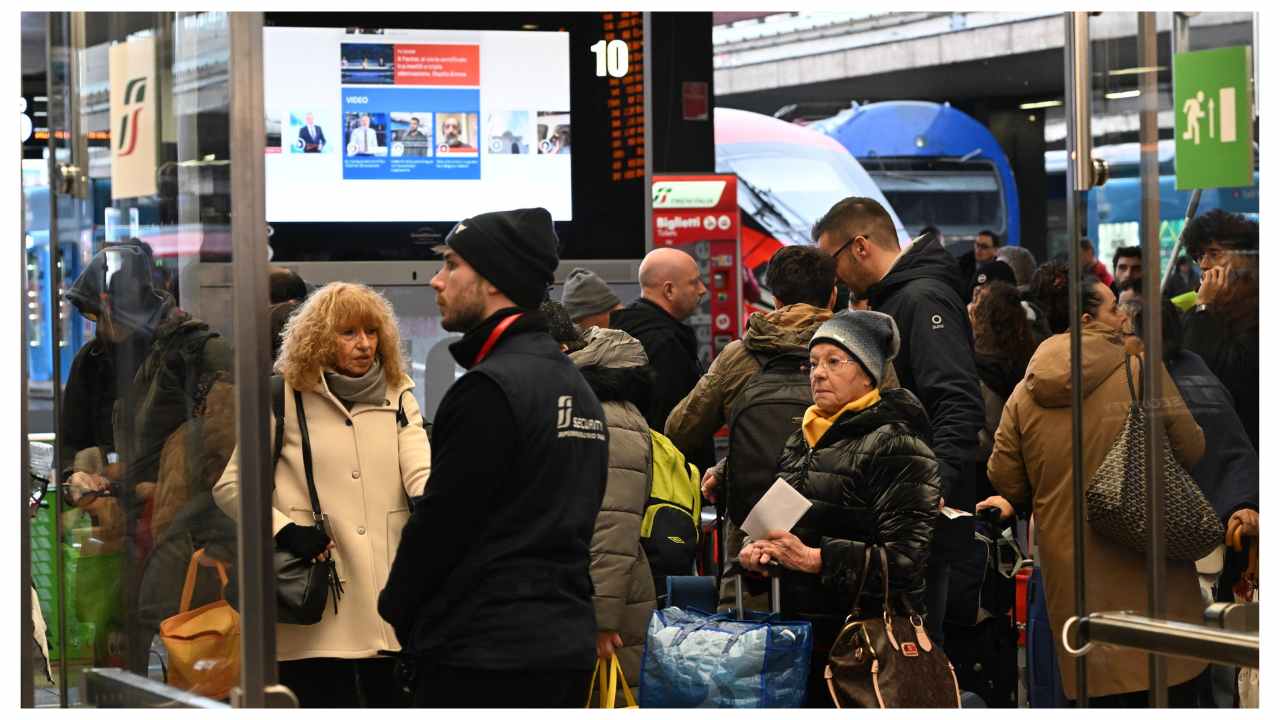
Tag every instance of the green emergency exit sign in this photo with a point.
(1213, 111)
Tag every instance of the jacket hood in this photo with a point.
(787, 329)
(897, 405)
(1049, 372)
(926, 258)
(615, 366)
(122, 273)
(609, 348)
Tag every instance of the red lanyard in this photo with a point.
(493, 337)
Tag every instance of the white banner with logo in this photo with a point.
(133, 118)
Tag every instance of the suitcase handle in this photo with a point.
(774, 571)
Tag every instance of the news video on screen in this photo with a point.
(415, 125)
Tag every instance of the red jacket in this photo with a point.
(1103, 274)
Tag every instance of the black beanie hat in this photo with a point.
(516, 250)
(993, 271)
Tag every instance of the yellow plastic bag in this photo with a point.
(609, 674)
(203, 644)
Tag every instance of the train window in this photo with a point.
(961, 195)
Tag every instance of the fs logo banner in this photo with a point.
(133, 118)
(135, 95)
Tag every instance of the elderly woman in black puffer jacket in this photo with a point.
(862, 458)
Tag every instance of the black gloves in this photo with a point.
(303, 541)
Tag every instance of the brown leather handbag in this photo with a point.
(888, 661)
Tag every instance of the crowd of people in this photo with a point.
(492, 557)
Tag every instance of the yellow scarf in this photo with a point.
(816, 425)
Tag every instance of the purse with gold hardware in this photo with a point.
(888, 661)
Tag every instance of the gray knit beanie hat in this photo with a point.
(586, 294)
(870, 337)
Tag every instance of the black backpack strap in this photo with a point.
(277, 411)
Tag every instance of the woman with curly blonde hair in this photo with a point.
(341, 361)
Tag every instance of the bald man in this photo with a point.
(670, 289)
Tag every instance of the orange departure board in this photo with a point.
(626, 98)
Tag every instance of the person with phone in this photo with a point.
(1223, 327)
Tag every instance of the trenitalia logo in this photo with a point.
(134, 94)
(687, 193)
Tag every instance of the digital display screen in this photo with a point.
(415, 125)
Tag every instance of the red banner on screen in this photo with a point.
(437, 65)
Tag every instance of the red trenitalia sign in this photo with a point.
(699, 214)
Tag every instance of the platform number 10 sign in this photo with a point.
(611, 58)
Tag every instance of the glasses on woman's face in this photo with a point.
(830, 365)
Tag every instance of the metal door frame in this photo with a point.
(252, 364)
(1152, 632)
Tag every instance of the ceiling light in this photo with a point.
(1137, 70)
(1040, 105)
(1123, 94)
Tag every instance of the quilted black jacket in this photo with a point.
(872, 480)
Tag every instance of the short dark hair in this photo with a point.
(1086, 244)
(859, 215)
(930, 230)
(801, 274)
(1231, 230)
(287, 285)
(995, 239)
(1129, 251)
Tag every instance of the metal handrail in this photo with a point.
(1163, 637)
(117, 688)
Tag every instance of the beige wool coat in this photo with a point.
(1031, 462)
(366, 469)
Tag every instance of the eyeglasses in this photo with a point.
(845, 246)
(831, 365)
(981, 246)
(1213, 254)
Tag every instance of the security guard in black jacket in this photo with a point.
(490, 591)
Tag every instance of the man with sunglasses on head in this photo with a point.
(920, 287)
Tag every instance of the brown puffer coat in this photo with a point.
(615, 366)
(1032, 462)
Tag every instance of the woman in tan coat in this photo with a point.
(342, 351)
(1031, 464)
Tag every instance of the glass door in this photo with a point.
(130, 353)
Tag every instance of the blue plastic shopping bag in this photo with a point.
(696, 660)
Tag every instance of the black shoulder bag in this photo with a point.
(302, 585)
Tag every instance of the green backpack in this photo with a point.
(670, 529)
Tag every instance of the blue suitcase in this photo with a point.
(1045, 680)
